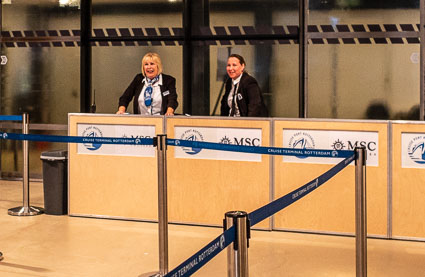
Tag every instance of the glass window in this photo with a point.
(41, 76)
(274, 66)
(115, 67)
(363, 61)
(42, 73)
(115, 63)
(274, 63)
(152, 14)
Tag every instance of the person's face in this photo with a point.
(151, 68)
(234, 67)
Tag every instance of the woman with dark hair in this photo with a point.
(152, 91)
(243, 95)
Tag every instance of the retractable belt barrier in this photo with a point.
(204, 255)
(194, 263)
(10, 117)
(261, 149)
(77, 139)
(183, 143)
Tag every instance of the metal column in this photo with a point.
(85, 56)
(422, 61)
(161, 143)
(303, 64)
(361, 226)
(25, 209)
(237, 258)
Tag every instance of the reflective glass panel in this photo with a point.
(274, 66)
(274, 63)
(115, 63)
(152, 14)
(372, 69)
(115, 67)
(41, 77)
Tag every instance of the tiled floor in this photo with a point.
(47, 245)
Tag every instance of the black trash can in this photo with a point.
(55, 182)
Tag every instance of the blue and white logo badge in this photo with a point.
(92, 132)
(241, 140)
(338, 145)
(222, 242)
(137, 139)
(416, 149)
(225, 140)
(192, 135)
(302, 140)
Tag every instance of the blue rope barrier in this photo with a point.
(77, 139)
(295, 195)
(198, 260)
(185, 143)
(10, 117)
(262, 149)
(203, 256)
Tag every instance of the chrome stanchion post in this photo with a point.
(361, 226)
(162, 204)
(161, 143)
(25, 209)
(237, 257)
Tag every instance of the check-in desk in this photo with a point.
(121, 181)
(408, 175)
(331, 208)
(202, 184)
(113, 181)
(205, 184)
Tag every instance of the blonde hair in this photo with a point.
(155, 58)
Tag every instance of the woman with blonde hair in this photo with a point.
(152, 92)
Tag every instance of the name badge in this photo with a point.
(165, 93)
(239, 96)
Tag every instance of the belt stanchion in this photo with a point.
(237, 257)
(160, 143)
(361, 226)
(25, 209)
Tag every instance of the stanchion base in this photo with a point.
(1, 256)
(24, 211)
(151, 274)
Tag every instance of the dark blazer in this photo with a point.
(249, 98)
(135, 88)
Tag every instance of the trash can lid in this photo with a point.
(56, 155)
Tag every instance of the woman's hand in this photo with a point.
(170, 111)
(121, 110)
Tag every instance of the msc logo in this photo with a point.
(338, 145)
(416, 149)
(241, 141)
(225, 140)
(192, 135)
(302, 140)
(369, 145)
(93, 132)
